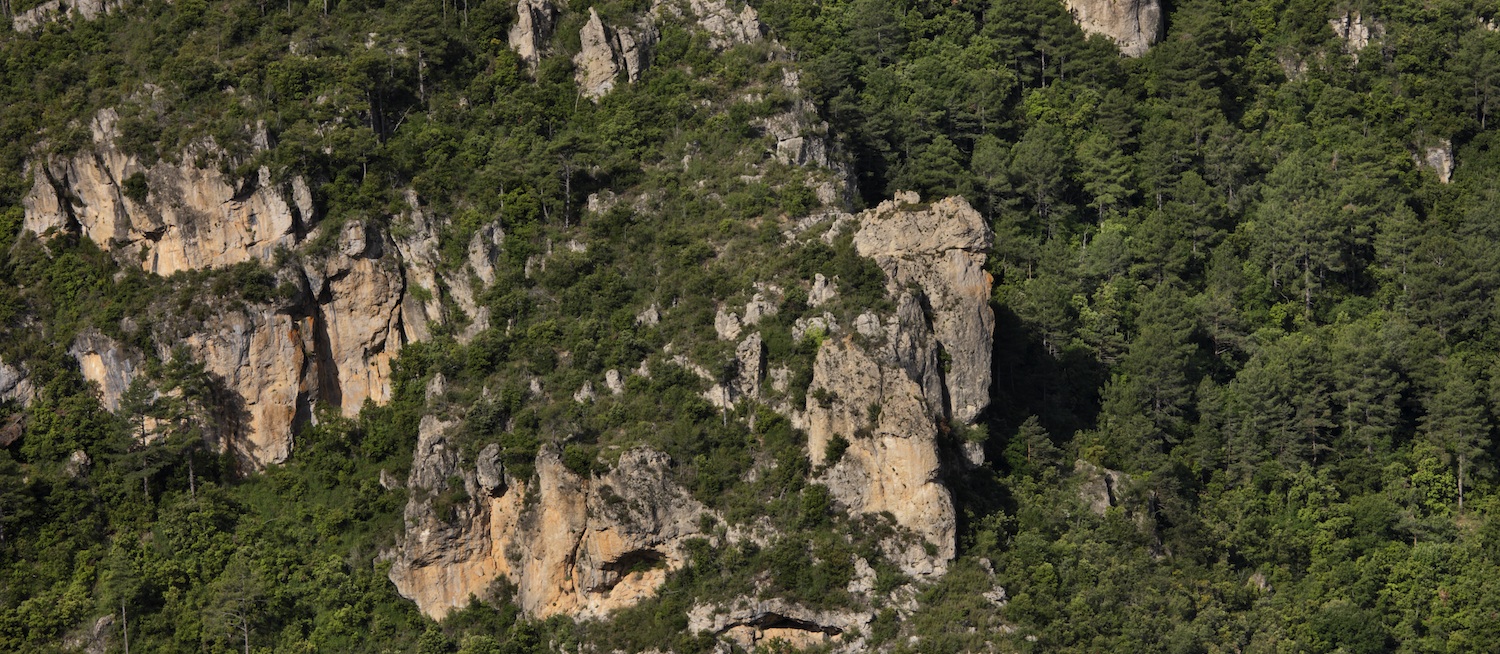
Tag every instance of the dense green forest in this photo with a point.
(1219, 268)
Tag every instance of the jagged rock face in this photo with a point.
(1099, 488)
(334, 344)
(1356, 34)
(892, 463)
(596, 63)
(192, 218)
(533, 28)
(887, 394)
(359, 295)
(15, 386)
(418, 250)
(1133, 24)
(263, 357)
(106, 363)
(578, 548)
(56, 10)
(941, 248)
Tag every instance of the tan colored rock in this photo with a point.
(1133, 24)
(193, 217)
(361, 320)
(108, 364)
(1438, 159)
(1356, 32)
(751, 623)
(417, 245)
(596, 61)
(942, 249)
(1098, 487)
(265, 358)
(892, 463)
(532, 30)
(726, 28)
(583, 547)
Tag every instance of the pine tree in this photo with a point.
(1456, 422)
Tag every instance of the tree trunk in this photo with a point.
(125, 625)
(1460, 483)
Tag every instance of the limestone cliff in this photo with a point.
(888, 391)
(941, 248)
(332, 342)
(108, 364)
(573, 545)
(608, 52)
(1356, 32)
(1133, 24)
(190, 217)
(725, 27)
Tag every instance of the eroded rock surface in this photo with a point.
(1438, 159)
(607, 52)
(107, 363)
(190, 217)
(15, 385)
(941, 248)
(726, 27)
(1133, 24)
(532, 30)
(1356, 32)
(749, 622)
(583, 546)
(887, 393)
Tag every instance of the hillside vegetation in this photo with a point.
(1246, 355)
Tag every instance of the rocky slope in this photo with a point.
(350, 309)
(584, 546)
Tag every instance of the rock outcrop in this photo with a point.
(941, 248)
(532, 31)
(332, 343)
(110, 365)
(1438, 159)
(264, 358)
(609, 52)
(749, 622)
(56, 10)
(888, 393)
(580, 546)
(726, 28)
(1133, 24)
(1355, 32)
(188, 218)
(15, 385)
